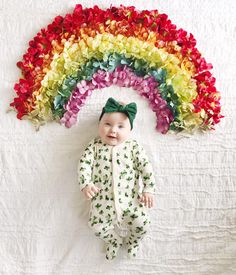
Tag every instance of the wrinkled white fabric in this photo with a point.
(43, 216)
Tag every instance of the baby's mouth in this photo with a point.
(112, 137)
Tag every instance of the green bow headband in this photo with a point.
(112, 106)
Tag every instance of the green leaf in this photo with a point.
(57, 101)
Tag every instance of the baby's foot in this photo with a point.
(112, 250)
(132, 250)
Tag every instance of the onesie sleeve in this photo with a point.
(145, 169)
(85, 166)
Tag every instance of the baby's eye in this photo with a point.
(108, 124)
(121, 126)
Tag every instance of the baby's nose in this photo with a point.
(113, 129)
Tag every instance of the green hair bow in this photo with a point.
(112, 106)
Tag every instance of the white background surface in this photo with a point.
(43, 216)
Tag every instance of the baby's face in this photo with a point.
(114, 128)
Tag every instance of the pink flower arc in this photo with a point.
(122, 77)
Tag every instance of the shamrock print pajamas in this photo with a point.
(116, 170)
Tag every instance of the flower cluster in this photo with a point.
(93, 48)
(122, 77)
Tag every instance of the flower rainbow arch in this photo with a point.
(93, 48)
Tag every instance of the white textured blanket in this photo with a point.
(43, 216)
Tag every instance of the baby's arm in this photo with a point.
(85, 171)
(146, 172)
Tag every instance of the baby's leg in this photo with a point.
(138, 222)
(104, 229)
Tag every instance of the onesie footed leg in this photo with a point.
(132, 243)
(138, 223)
(106, 232)
(112, 249)
(132, 250)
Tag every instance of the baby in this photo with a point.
(109, 172)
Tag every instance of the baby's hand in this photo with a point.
(90, 191)
(147, 199)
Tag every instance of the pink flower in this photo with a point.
(69, 119)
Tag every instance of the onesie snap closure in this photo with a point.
(115, 178)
